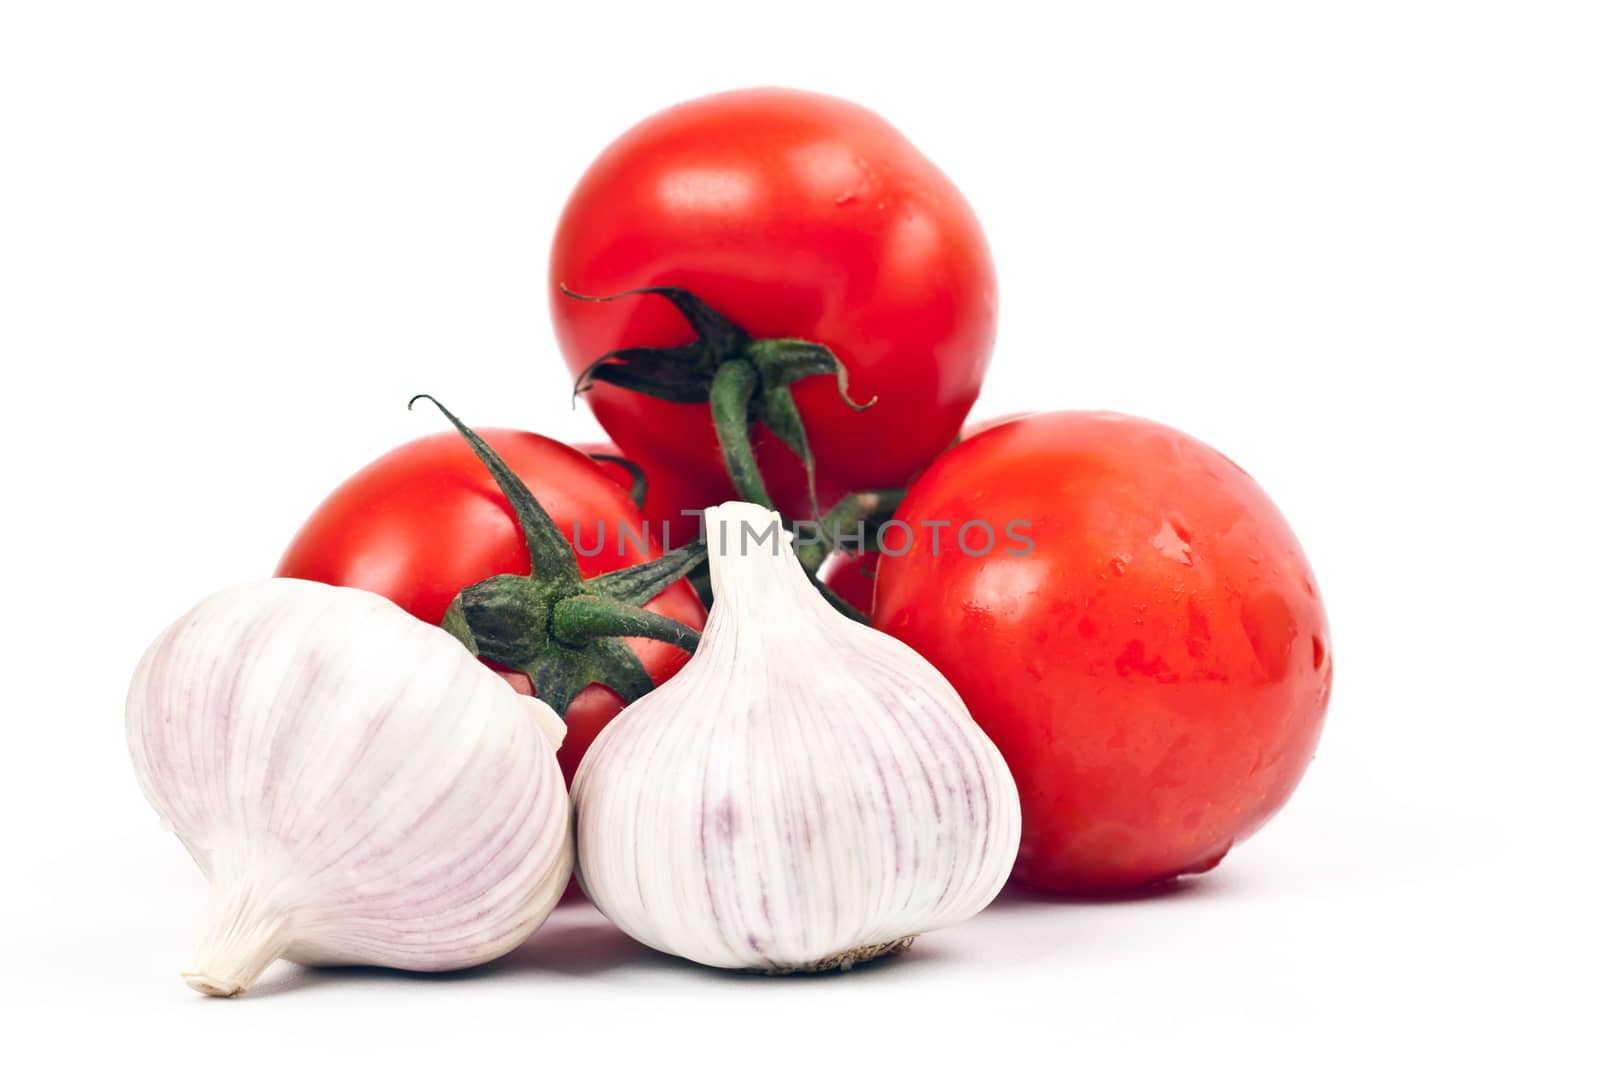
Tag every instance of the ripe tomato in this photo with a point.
(426, 520)
(1155, 670)
(793, 215)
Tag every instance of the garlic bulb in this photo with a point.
(806, 794)
(356, 786)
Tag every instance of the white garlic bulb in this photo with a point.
(806, 794)
(357, 787)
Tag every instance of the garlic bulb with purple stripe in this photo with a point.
(357, 787)
(806, 794)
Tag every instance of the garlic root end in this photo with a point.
(846, 960)
(245, 932)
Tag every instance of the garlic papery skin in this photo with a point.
(807, 793)
(356, 786)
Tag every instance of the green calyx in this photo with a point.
(564, 631)
(747, 381)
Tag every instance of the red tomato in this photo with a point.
(793, 215)
(1155, 669)
(426, 520)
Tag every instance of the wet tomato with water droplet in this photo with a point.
(1154, 665)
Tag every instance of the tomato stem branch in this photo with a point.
(731, 391)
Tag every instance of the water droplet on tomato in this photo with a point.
(1116, 566)
(1173, 540)
(1270, 627)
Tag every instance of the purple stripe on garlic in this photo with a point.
(806, 793)
(357, 787)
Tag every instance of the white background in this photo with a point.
(1354, 245)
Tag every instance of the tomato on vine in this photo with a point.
(785, 276)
